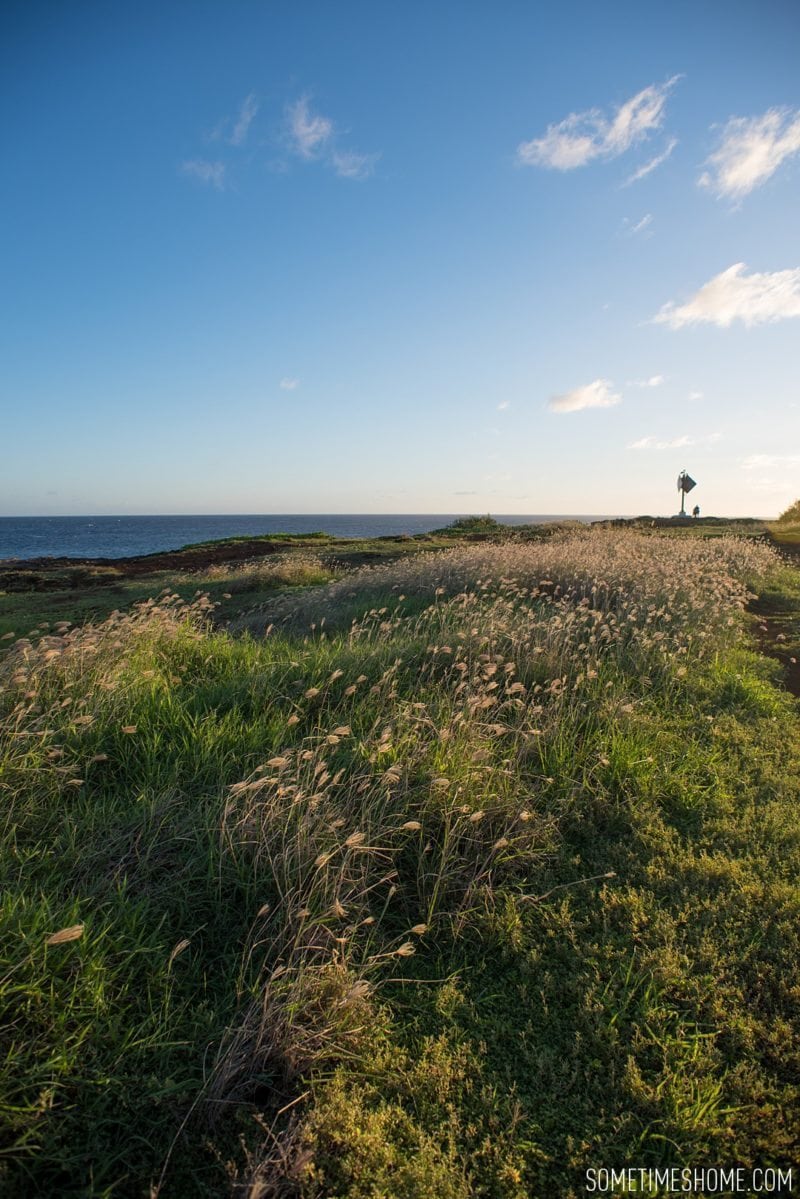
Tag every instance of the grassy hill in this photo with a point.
(786, 529)
(454, 873)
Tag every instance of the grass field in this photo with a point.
(452, 875)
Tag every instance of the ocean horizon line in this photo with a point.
(304, 515)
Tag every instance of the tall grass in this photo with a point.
(786, 529)
(279, 570)
(791, 516)
(238, 862)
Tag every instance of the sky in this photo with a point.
(368, 257)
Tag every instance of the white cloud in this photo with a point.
(289, 384)
(353, 166)
(676, 443)
(652, 443)
(751, 150)
(583, 136)
(650, 166)
(772, 475)
(246, 114)
(207, 172)
(771, 461)
(733, 295)
(632, 229)
(239, 127)
(313, 137)
(696, 395)
(503, 405)
(309, 133)
(653, 381)
(593, 395)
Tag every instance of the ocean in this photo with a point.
(128, 536)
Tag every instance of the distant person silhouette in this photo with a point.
(696, 511)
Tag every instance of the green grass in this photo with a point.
(791, 516)
(594, 856)
(785, 531)
(45, 594)
(93, 594)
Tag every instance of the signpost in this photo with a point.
(685, 484)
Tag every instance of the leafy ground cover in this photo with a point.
(449, 876)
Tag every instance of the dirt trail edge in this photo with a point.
(778, 626)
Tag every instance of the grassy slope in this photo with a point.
(615, 984)
(32, 598)
(35, 596)
(786, 531)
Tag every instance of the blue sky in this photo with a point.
(262, 257)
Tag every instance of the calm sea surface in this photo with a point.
(126, 536)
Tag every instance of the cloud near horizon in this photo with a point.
(652, 443)
(597, 394)
(772, 475)
(584, 136)
(676, 443)
(761, 461)
(732, 295)
(751, 150)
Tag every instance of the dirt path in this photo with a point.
(778, 627)
(775, 630)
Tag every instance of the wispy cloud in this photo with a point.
(244, 120)
(207, 172)
(732, 295)
(234, 130)
(751, 150)
(309, 133)
(631, 228)
(696, 395)
(215, 172)
(314, 137)
(503, 405)
(653, 381)
(770, 461)
(772, 475)
(289, 384)
(652, 165)
(349, 165)
(652, 443)
(584, 136)
(676, 443)
(593, 395)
